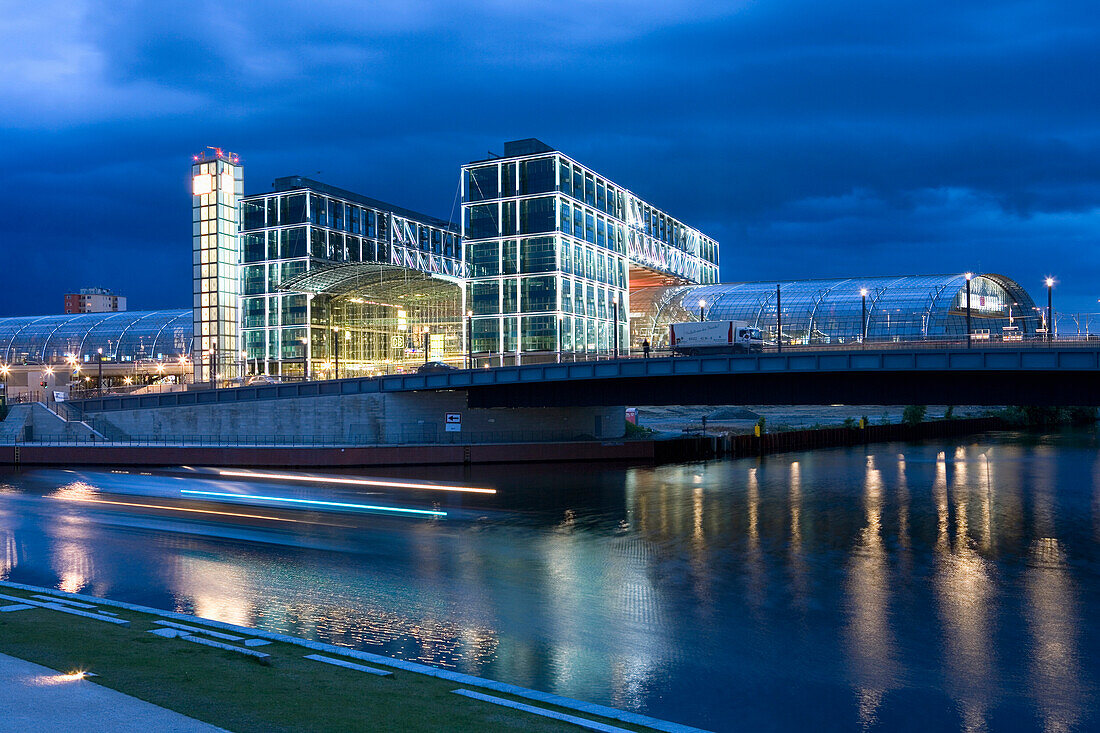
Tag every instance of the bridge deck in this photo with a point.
(1026, 375)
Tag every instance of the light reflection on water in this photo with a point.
(923, 587)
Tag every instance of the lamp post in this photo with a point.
(427, 344)
(969, 275)
(863, 320)
(561, 336)
(778, 320)
(336, 350)
(99, 376)
(1050, 309)
(615, 324)
(702, 304)
(470, 340)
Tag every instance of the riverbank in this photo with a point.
(246, 679)
(308, 456)
(640, 450)
(700, 447)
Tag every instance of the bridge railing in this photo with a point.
(490, 360)
(401, 435)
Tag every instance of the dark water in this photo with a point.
(938, 586)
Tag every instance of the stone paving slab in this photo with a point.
(36, 698)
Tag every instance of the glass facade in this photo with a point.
(552, 246)
(127, 336)
(217, 182)
(318, 283)
(905, 308)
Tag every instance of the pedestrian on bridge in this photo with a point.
(645, 348)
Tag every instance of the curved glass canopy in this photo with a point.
(903, 308)
(123, 336)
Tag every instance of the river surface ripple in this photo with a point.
(945, 585)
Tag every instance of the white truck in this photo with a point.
(714, 337)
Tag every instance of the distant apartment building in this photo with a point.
(94, 300)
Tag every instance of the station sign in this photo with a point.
(453, 422)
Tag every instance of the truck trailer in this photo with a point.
(714, 337)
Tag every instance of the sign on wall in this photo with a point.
(453, 422)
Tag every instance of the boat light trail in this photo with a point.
(356, 481)
(318, 502)
(185, 509)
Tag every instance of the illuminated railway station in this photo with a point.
(549, 261)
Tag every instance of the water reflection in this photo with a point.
(1051, 617)
(945, 583)
(795, 559)
(755, 578)
(965, 595)
(869, 636)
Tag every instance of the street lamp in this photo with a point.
(615, 318)
(336, 349)
(99, 377)
(778, 321)
(470, 340)
(969, 275)
(702, 303)
(863, 326)
(1050, 309)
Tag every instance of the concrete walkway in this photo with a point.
(39, 699)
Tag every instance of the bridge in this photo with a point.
(1047, 374)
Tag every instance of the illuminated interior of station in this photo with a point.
(371, 318)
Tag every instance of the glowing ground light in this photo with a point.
(355, 481)
(317, 502)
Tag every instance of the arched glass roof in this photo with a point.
(903, 308)
(123, 336)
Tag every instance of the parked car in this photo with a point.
(435, 367)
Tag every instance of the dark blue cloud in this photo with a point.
(812, 139)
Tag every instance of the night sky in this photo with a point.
(812, 139)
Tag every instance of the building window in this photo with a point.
(538, 254)
(486, 334)
(254, 248)
(566, 178)
(252, 214)
(292, 209)
(537, 215)
(536, 176)
(484, 258)
(481, 221)
(540, 333)
(485, 298)
(483, 184)
(540, 294)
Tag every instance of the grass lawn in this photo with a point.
(237, 693)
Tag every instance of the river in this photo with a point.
(945, 585)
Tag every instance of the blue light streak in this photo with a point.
(317, 502)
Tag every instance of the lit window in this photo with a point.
(202, 184)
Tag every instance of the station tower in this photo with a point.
(217, 183)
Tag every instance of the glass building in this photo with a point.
(332, 280)
(217, 182)
(554, 251)
(904, 308)
(124, 336)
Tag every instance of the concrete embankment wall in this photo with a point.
(308, 457)
(35, 421)
(395, 418)
(739, 446)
